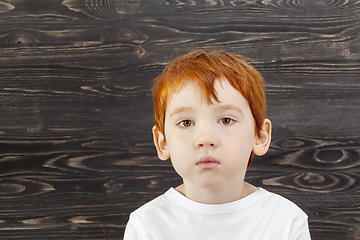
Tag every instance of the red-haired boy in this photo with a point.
(210, 114)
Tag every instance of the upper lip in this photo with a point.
(207, 159)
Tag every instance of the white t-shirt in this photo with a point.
(261, 215)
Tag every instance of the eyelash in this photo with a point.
(182, 122)
(187, 122)
(226, 118)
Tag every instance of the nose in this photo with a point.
(206, 137)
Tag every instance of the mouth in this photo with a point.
(207, 162)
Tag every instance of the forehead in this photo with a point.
(205, 88)
(190, 93)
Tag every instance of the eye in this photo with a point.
(186, 123)
(226, 121)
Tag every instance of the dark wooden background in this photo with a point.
(76, 152)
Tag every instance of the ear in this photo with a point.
(263, 139)
(160, 144)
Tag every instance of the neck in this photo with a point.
(217, 195)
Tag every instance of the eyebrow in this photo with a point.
(179, 110)
(220, 108)
(229, 107)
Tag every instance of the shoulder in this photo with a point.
(280, 203)
(152, 217)
(153, 207)
(283, 214)
(277, 212)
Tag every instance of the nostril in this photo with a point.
(202, 145)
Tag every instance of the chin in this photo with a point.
(211, 185)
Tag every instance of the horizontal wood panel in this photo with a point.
(76, 152)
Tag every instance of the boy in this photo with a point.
(210, 113)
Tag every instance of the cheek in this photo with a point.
(180, 151)
(180, 164)
(177, 139)
(241, 143)
(177, 149)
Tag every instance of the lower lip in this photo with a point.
(208, 165)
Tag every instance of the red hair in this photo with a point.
(204, 67)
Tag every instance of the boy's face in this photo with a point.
(209, 144)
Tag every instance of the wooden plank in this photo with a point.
(76, 152)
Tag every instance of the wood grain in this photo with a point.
(76, 152)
